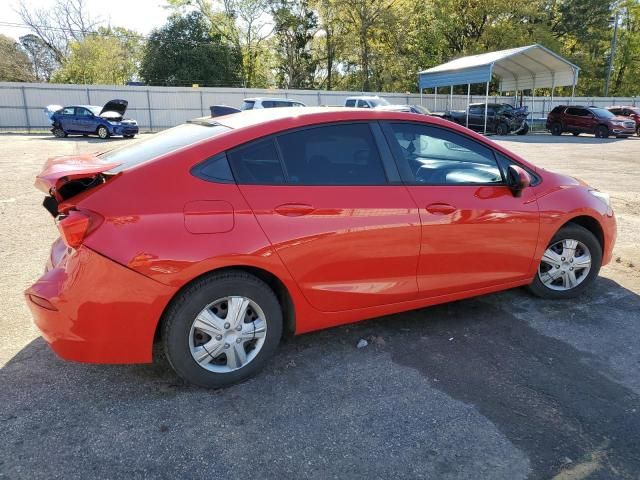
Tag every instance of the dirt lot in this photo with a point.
(504, 386)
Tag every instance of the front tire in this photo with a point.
(569, 265)
(602, 131)
(524, 130)
(222, 329)
(103, 132)
(502, 129)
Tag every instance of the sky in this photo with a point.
(139, 15)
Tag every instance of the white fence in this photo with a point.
(156, 108)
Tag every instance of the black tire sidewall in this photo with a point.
(575, 232)
(556, 129)
(502, 129)
(602, 131)
(180, 315)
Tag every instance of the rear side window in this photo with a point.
(215, 169)
(68, 111)
(350, 103)
(578, 112)
(436, 156)
(363, 104)
(332, 155)
(558, 109)
(257, 163)
(160, 143)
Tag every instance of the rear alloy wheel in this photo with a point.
(569, 265)
(502, 129)
(602, 131)
(59, 132)
(556, 129)
(222, 330)
(103, 132)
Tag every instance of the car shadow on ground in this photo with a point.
(510, 357)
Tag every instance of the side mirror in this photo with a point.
(517, 179)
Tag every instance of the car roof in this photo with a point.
(364, 97)
(273, 99)
(84, 106)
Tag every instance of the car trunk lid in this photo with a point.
(63, 178)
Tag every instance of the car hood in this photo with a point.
(117, 106)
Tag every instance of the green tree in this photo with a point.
(111, 56)
(295, 26)
(42, 59)
(14, 62)
(185, 51)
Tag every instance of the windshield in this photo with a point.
(247, 105)
(378, 102)
(421, 109)
(164, 142)
(602, 113)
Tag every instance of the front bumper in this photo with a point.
(91, 309)
(616, 130)
(124, 129)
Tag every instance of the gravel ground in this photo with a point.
(503, 386)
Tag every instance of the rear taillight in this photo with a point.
(76, 225)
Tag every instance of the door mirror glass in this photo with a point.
(517, 179)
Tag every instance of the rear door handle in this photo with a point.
(294, 209)
(441, 208)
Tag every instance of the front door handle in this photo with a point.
(441, 208)
(294, 209)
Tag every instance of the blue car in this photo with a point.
(91, 120)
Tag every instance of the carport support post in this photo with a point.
(468, 101)
(435, 98)
(573, 86)
(451, 99)
(420, 97)
(486, 108)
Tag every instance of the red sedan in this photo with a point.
(219, 236)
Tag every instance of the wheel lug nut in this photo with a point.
(239, 328)
(227, 325)
(571, 269)
(238, 340)
(562, 259)
(226, 345)
(218, 337)
(571, 260)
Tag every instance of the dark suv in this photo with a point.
(599, 121)
(630, 113)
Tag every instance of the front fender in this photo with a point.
(560, 204)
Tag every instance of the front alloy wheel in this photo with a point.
(103, 132)
(569, 265)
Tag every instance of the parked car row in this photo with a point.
(501, 118)
(105, 121)
(602, 122)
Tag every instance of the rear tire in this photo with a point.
(58, 132)
(602, 131)
(563, 272)
(524, 130)
(209, 346)
(556, 129)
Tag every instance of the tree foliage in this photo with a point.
(14, 62)
(110, 56)
(186, 51)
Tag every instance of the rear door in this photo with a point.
(333, 207)
(475, 233)
(67, 119)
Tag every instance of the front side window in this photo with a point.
(436, 156)
(332, 155)
(363, 104)
(83, 112)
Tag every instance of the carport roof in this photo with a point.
(533, 66)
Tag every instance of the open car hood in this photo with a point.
(118, 106)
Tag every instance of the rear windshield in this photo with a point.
(160, 143)
(247, 105)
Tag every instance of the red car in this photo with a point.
(219, 236)
(599, 121)
(630, 113)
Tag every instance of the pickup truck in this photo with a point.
(502, 118)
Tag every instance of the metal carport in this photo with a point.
(530, 67)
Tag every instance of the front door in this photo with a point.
(322, 195)
(84, 121)
(475, 233)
